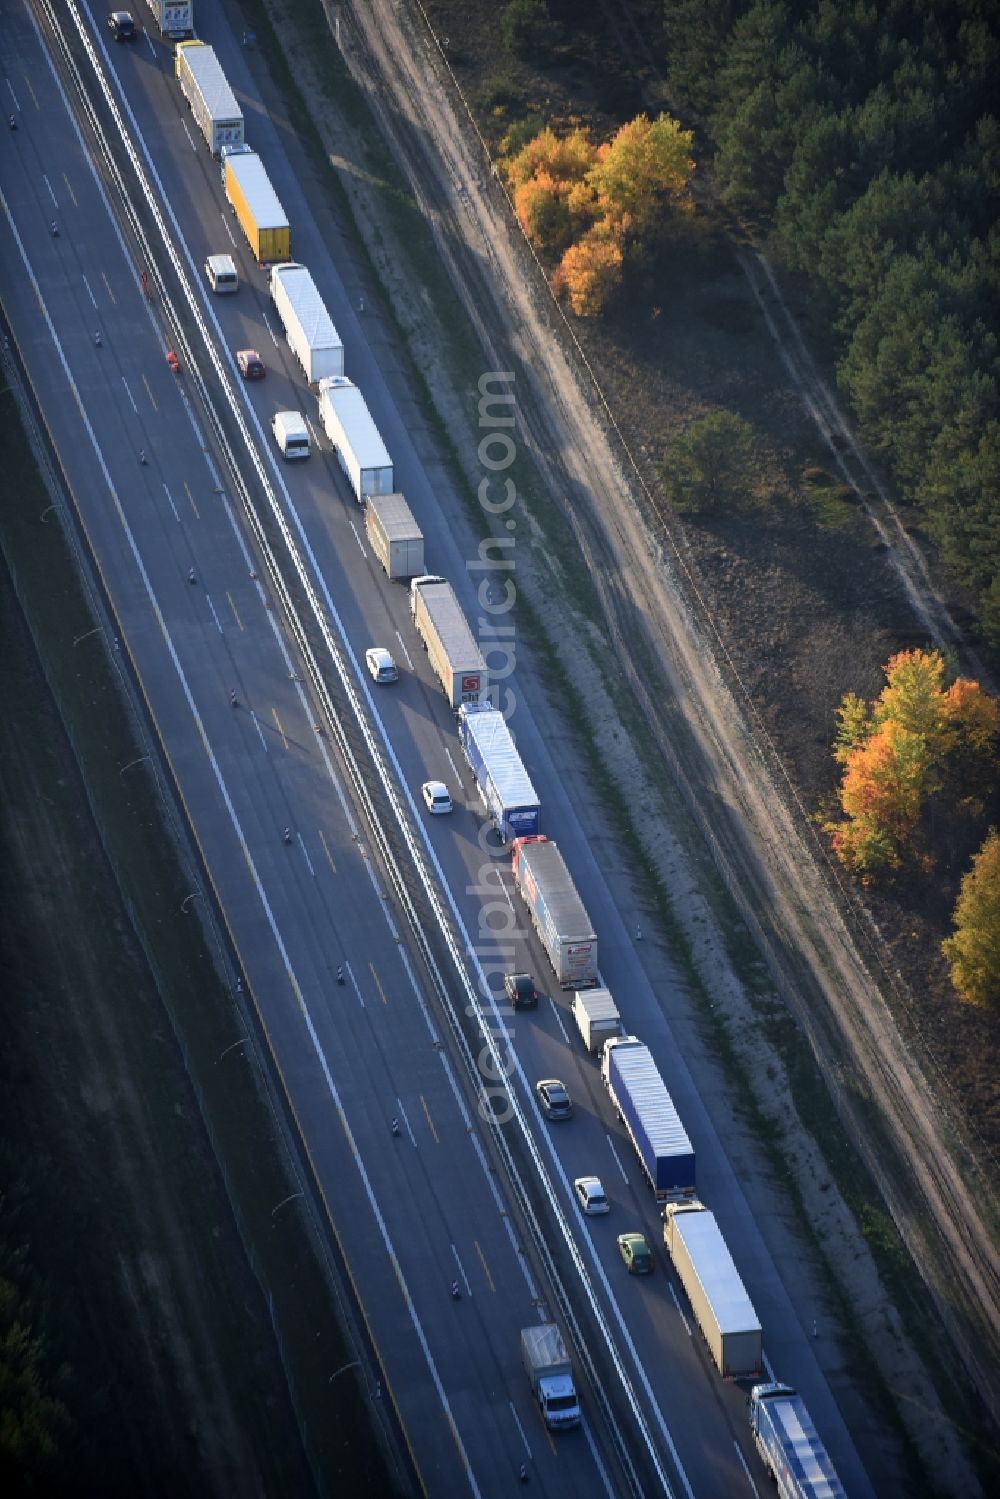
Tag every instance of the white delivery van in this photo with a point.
(221, 273)
(291, 433)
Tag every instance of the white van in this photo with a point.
(291, 434)
(221, 273)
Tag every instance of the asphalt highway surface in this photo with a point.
(158, 501)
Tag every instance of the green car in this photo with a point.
(635, 1251)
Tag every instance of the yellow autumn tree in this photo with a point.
(914, 697)
(645, 167)
(973, 716)
(973, 950)
(587, 202)
(588, 273)
(920, 739)
(568, 158)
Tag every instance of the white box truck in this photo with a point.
(175, 18)
(718, 1299)
(291, 434)
(597, 1018)
(557, 912)
(311, 335)
(211, 100)
(395, 537)
(360, 450)
(547, 1365)
(448, 641)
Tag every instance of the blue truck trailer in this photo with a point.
(510, 799)
(640, 1096)
(788, 1442)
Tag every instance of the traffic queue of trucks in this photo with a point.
(308, 327)
(780, 1424)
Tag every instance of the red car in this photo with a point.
(250, 364)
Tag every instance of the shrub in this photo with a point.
(528, 30)
(709, 466)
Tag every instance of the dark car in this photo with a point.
(520, 990)
(250, 364)
(121, 26)
(554, 1098)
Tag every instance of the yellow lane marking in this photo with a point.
(149, 392)
(398, 1270)
(107, 287)
(236, 612)
(430, 1121)
(278, 726)
(378, 984)
(326, 850)
(462, 1456)
(482, 1261)
(69, 189)
(190, 496)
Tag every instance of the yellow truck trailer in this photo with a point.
(256, 205)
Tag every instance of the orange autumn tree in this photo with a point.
(884, 784)
(548, 180)
(543, 212)
(590, 203)
(919, 738)
(588, 273)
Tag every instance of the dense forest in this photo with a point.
(866, 137)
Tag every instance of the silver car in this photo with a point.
(436, 797)
(590, 1195)
(554, 1099)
